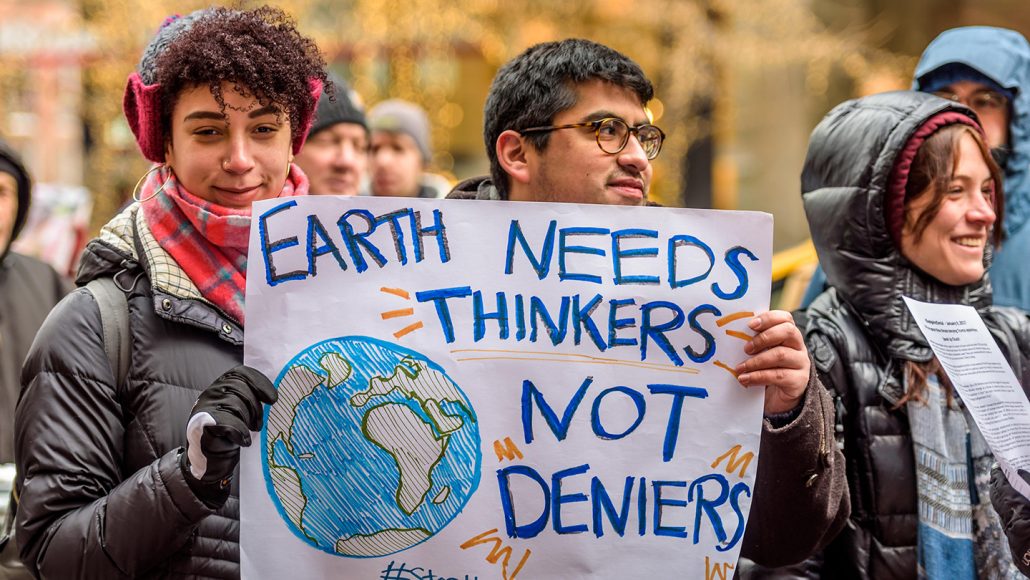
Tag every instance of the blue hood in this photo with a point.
(1004, 57)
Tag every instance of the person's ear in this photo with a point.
(512, 154)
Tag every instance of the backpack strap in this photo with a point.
(114, 319)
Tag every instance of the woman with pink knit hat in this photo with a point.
(131, 474)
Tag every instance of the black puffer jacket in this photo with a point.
(860, 332)
(102, 491)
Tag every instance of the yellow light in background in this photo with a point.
(444, 161)
(655, 109)
(450, 115)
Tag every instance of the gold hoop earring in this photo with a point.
(135, 190)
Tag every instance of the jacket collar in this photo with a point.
(126, 244)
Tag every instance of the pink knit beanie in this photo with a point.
(894, 207)
(142, 100)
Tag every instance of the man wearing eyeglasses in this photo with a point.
(566, 122)
(558, 122)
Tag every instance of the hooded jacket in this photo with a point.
(1003, 56)
(860, 333)
(29, 288)
(103, 494)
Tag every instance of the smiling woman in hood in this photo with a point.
(993, 61)
(902, 198)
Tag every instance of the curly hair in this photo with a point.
(259, 51)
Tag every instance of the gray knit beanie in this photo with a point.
(345, 107)
(169, 31)
(397, 116)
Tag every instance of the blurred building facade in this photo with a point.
(44, 47)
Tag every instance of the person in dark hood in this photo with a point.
(988, 70)
(904, 198)
(566, 122)
(29, 288)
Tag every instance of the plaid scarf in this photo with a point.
(208, 241)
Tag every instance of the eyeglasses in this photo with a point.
(612, 135)
(982, 101)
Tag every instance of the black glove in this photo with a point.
(220, 423)
(1014, 511)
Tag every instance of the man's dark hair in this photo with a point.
(259, 51)
(531, 89)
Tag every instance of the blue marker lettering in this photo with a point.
(316, 230)
(533, 528)
(439, 298)
(356, 241)
(709, 350)
(679, 241)
(618, 254)
(560, 427)
(732, 259)
(565, 249)
(595, 412)
(541, 265)
(538, 312)
(267, 249)
(558, 499)
(656, 332)
(678, 392)
(480, 317)
(660, 502)
(602, 502)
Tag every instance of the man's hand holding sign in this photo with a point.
(479, 390)
(779, 360)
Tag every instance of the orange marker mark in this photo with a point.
(731, 317)
(498, 551)
(728, 368)
(407, 329)
(396, 313)
(740, 335)
(734, 459)
(396, 292)
(721, 570)
(506, 450)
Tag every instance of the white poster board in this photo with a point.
(984, 380)
(473, 389)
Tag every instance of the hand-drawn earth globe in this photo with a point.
(370, 449)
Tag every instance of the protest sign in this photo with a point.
(472, 389)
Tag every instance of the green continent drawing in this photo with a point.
(370, 449)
